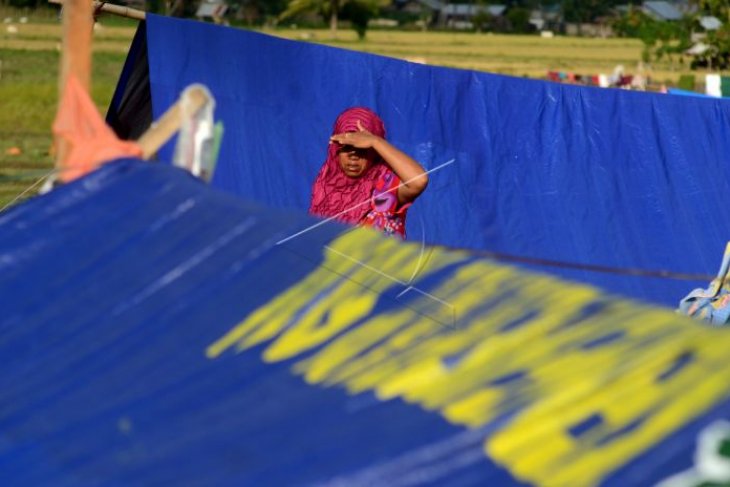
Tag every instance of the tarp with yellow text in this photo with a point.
(155, 331)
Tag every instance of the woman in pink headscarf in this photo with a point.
(365, 179)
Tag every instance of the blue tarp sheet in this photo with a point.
(157, 332)
(543, 170)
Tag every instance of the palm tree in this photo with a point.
(358, 11)
(331, 7)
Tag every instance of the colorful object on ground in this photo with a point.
(713, 85)
(711, 304)
(550, 171)
(559, 76)
(156, 331)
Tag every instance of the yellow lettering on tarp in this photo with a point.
(333, 297)
(575, 384)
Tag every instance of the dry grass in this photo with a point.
(530, 56)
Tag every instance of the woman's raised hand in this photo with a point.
(362, 139)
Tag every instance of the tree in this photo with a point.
(253, 11)
(325, 8)
(717, 8)
(359, 13)
(580, 11)
(24, 3)
(519, 19)
(172, 8)
(718, 54)
(483, 21)
(660, 38)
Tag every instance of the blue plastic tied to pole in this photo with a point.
(196, 145)
(711, 304)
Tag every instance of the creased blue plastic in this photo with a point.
(578, 174)
(111, 288)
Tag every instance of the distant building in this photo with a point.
(662, 11)
(699, 35)
(213, 10)
(419, 6)
(425, 10)
(547, 18)
(461, 15)
(709, 23)
(495, 10)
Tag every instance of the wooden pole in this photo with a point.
(76, 31)
(77, 25)
(76, 60)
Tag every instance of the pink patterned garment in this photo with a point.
(336, 195)
(385, 213)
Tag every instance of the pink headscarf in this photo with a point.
(334, 193)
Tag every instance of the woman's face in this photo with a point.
(354, 162)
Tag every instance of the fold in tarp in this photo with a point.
(563, 173)
(157, 332)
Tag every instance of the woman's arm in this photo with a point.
(413, 177)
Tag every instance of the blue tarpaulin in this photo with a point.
(548, 171)
(158, 332)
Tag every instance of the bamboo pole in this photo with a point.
(169, 123)
(131, 13)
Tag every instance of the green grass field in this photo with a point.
(28, 90)
(29, 68)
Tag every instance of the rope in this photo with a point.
(40, 180)
(624, 271)
(22, 176)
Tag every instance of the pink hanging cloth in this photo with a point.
(90, 141)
